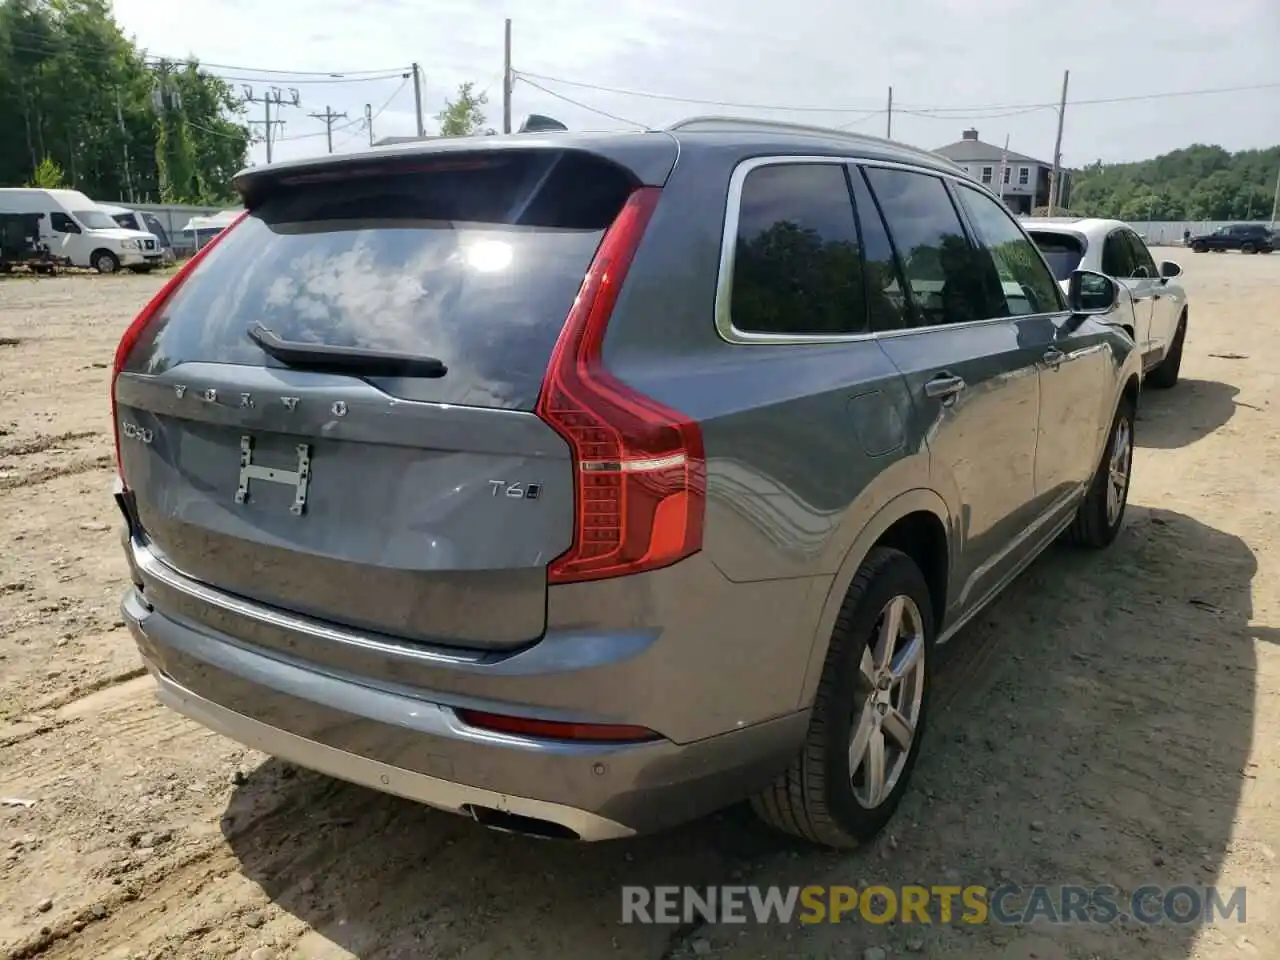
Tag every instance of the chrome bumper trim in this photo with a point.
(150, 565)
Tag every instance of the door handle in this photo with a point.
(943, 387)
(1053, 357)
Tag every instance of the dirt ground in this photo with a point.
(1113, 719)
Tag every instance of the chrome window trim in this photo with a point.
(729, 241)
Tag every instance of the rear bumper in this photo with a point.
(433, 791)
(400, 740)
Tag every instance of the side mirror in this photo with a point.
(1169, 270)
(1090, 293)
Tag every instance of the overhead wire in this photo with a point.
(973, 111)
(580, 104)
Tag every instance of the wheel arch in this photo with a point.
(98, 251)
(916, 522)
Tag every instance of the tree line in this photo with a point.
(82, 106)
(77, 97)
(1195, 183)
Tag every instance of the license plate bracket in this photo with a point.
(299, 478)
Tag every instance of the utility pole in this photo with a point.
(1004, 167)
(164, 98)
(124, 133)
(1275, 204)
(888, 124)
(506, 78)
(1055, 182)
(273, 95)
(368, 121)
(328, 117)
(417, 99)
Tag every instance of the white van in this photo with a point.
(73, 226)
(144, 220)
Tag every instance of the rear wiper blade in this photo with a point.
(325, 358)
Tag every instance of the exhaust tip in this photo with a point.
(515, 823)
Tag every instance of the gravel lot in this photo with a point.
(1113, 719)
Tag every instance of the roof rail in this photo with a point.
(721, 124)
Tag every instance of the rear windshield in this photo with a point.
(475, 261)
(1063, 251)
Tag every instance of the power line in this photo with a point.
(913, 108)
(525, 76)
(578, 103)
(355, 125)
(397, 70)
(377, 113)
(243, 79)
(35, 42)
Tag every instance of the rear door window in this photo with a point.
(1025, 282)
(1117, 258)
(797, 269)
(886, 298)
(1144, 265)
(950, 280)
(475, 261)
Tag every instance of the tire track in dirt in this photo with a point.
(43, 443)
(127, 739)
(80, 702)
(53, 472)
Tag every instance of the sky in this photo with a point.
(995, 65)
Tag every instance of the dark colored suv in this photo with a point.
(584, 484)
(1245, 237)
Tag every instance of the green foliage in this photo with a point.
(1195, 183)
(463, 116)
(75, 91)
(48, 175)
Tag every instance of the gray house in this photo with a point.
(1025, 179)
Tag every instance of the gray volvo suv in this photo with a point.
(584, 484)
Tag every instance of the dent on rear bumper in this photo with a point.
(397, 740)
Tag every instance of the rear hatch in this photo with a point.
(332, 413)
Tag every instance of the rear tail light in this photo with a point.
(557, 729)
(640, 469)
(139, 324)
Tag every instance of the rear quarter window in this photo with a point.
(473, 261)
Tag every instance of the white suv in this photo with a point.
(1153, 306)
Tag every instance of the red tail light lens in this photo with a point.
(154, 306)
(640, 469)
(558, 729)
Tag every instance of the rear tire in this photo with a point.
(104, 261)
(1166, 375)
(1199, 248)
(1099, 516)
(861, 714)
(1248, 248)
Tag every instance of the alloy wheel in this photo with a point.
(1118, 469)
(892, 675)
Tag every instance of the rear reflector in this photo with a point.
(555, 730)
(134, 330)
(640, 477)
